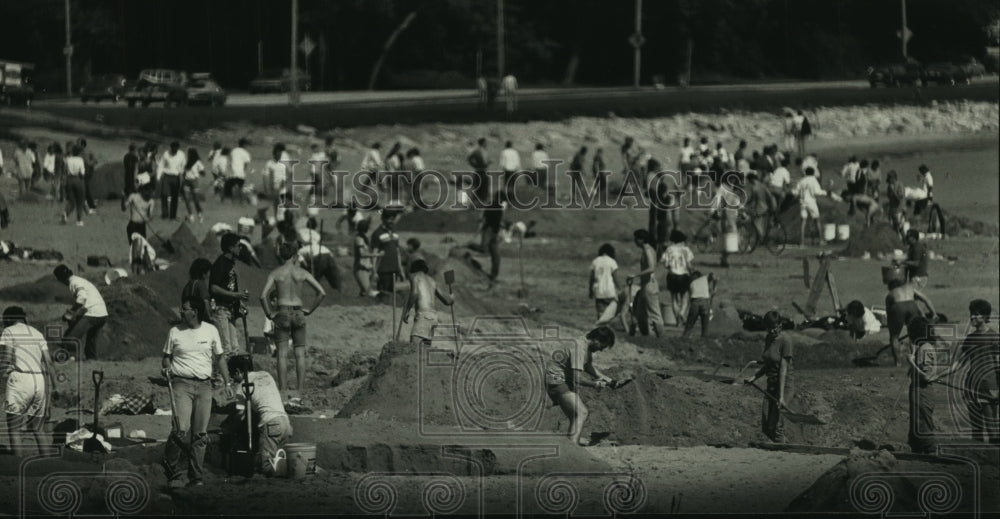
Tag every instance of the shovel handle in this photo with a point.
(97, 377)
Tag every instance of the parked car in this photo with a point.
(106, 86)
(279, 80)
(158, 86)
(15, 83)
(944, 73)
(896, 75)
(973, 68)
(203, 89)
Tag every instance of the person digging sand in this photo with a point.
(776, 366)
(900, 307)
(423, 290)
(273, 429)
(289, 319)
(562, 376)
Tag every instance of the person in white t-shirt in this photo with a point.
(87, 315)
(510, 161)
(538, 158)
(239, 162)
(807, 190)
(677, 258)
(189, 354)
(780, 179)
(26, 368)
(169, 170)
(508, 86)
(605, 279)
(275, 172)
(861, 321)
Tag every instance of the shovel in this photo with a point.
(92, 444)
(523, 291)
(449, 279)
(618, 384)
(791, 415)
(736, 379)
(167, 246)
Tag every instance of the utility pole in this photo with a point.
(501, 65)
(903, 32)
(293, 92)
(68, 51)
(637, 41)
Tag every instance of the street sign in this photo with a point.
(307, 46)
(637, 40)
(68, 50)
(909, 34)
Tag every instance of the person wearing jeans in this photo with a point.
(88, 313)
(224, 288)
(75, 187)
(170, 169)
(188, 356)
(273, 429)
(702, 288)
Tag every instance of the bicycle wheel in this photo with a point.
(776, 238)
(748, 237)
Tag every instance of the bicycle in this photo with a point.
(706, 237)
(774, 235)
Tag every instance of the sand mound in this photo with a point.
(186, 245)
(138, 321)
(499, 387)
(46, 289)
(876, 483)
(832, 351)
(879, 238)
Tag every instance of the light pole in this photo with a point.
(637, 41)
(501, 65)
(293, 92)
(68, 51)
(902, 33)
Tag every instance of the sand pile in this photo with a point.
(876, 483)
(879, 238)
(501, 388)
(138, 321)
(828, 351)
(46, 289)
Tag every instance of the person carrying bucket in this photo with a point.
(273, 430)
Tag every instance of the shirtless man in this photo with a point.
(866, 203)
(900, 307)
(289, 320)
(423, 290)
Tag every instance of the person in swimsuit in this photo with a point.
(423, 290)
(901, 307)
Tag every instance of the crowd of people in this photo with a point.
(203, 353)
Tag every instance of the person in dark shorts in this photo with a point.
(562, 369)
(916, 260)
(776, 365)
(677, 258)
(900, 307)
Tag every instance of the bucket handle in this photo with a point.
(278, 456)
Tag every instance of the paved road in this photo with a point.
(324, 110)
(469, 96)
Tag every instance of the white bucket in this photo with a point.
(301, 459)
(843, 232)
(114, 275)
(829, 231)
(731, 242)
